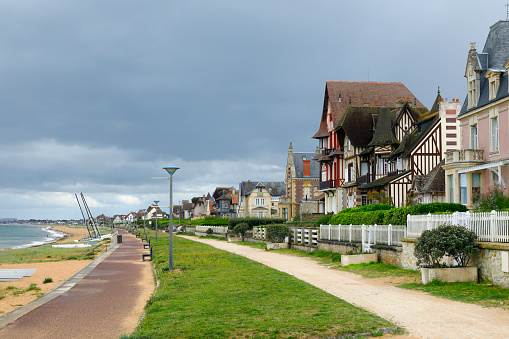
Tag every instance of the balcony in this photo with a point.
(464, 155)
(327, 151)
(362, 180)
(327, 184)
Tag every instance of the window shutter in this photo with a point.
(346, 174)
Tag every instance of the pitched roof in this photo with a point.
(384, 134)
(342, 94)
(494, 56)
(276, 188)
(298, 161)
(385, 180)
(433, 182)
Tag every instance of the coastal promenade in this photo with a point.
(104, 300)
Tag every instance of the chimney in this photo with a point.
(307, 168)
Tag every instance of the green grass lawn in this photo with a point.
(216, 294)
(41, 254)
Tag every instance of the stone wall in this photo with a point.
(489, 261)
(388, 254)
(408, 260)
(339, 247)
(305, 248)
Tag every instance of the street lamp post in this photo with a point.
(156, 202)
(171, 170)
(144, 218)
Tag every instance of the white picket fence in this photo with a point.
(367, 235)
(489, 226)
(221, 230)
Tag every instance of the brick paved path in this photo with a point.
(105, 303)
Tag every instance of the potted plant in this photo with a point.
(445, 252)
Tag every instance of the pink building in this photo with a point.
(484, 122)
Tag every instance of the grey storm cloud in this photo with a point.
(98, 96)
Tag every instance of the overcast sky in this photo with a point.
(98, 96)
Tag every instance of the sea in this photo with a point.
(22, 236)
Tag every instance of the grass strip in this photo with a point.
(41, 254)
(216, 294)
(483, 293)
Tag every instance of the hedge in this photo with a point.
(210, 221)
(252, 222)
(394, 216)
(277, 233)
(367, 208)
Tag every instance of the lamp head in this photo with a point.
(156, 202)
(171, 169)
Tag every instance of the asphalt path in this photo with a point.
(422, 315)
(104, 301)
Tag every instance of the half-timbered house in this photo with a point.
(337, 157)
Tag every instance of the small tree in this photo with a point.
(446, 240)
(209, 231)
(241, 228)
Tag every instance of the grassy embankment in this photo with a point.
(216, 294)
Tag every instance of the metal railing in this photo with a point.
(327, 184)
(489, 226)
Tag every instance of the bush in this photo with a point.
(210, 221)
(437, 207)
(446, 240)
(209, 231)
(277, 233)
(241, 228)
(368, 208)
(494, 198)
(359, 218)
(252, 222)
(324, 220)
(47, 280)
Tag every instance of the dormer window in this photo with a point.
(472, 89)
(494, 81)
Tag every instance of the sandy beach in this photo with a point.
(59, 271)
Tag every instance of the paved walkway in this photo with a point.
(422, 315)
(104, 300)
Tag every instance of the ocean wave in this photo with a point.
(51, 237)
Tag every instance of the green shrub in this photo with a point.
(241, 228)
(47, 280)
(454, 241)
(367, 208)
(437, 207)
(494, 198)
(252, 222)
(210, 221)
(277, 233)
(324, 220)
(209, 231)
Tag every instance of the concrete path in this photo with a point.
(422, 315)
(104, 300)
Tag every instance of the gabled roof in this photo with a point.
(222, 193)
(433, 182)
(494, 56)
(342, 94)
(384, 134)
(276, 188)
(357, 124)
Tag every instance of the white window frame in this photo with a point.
(494, 135)
(474, 138)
